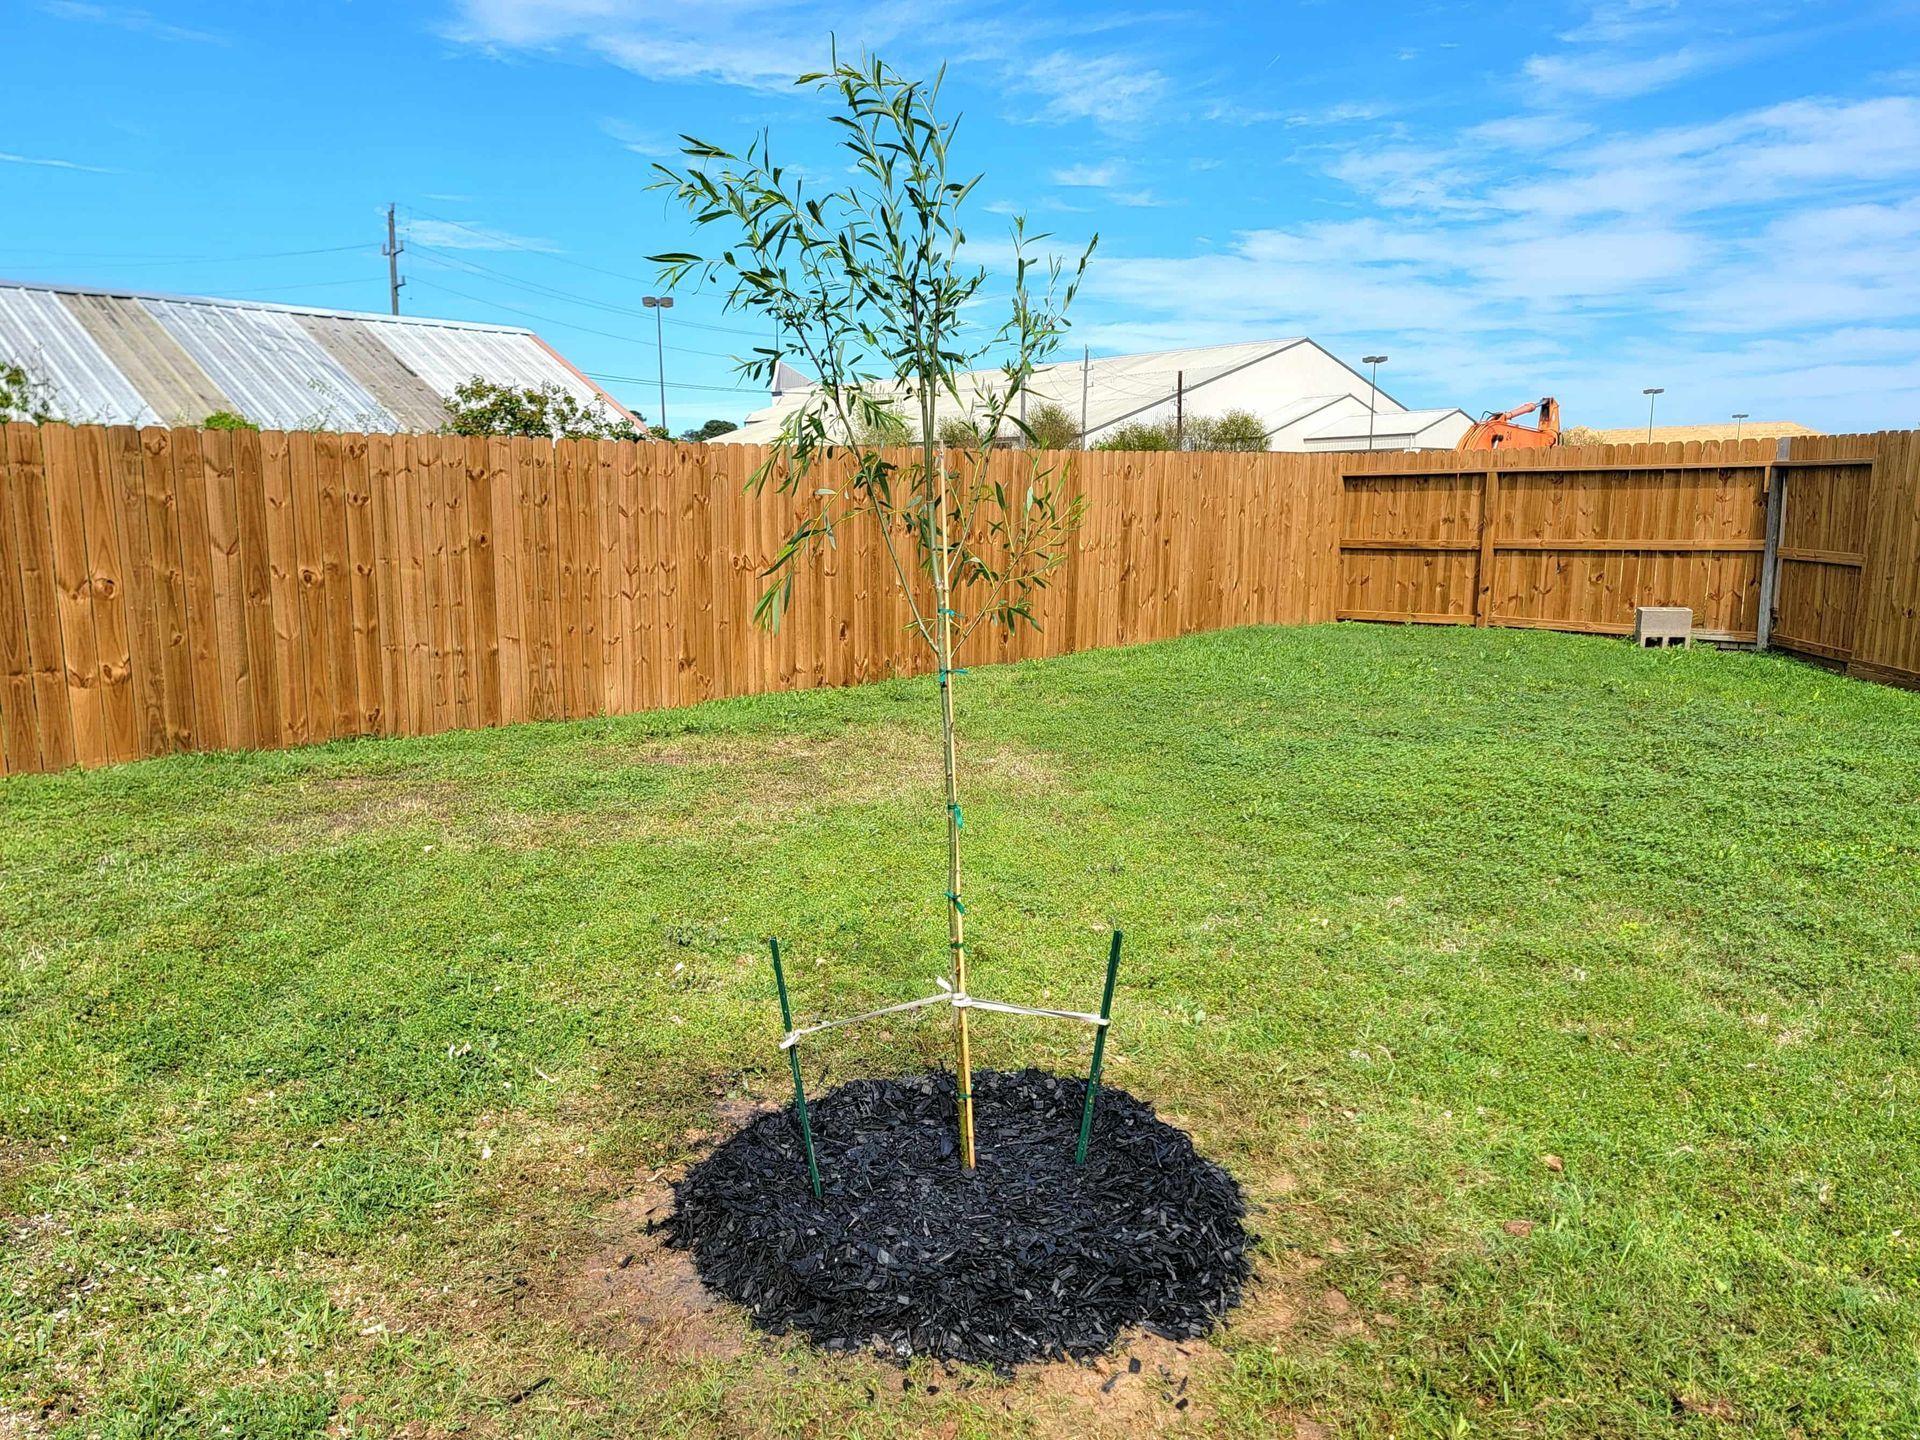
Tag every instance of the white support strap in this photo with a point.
(793, 1036)
(947, 996)
(970, 1002)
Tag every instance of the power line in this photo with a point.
(276, 289)
(532, 315)
(535, 287)
(509, 242)
(193, 259)
(440, 257)
(676, 384)
(567, 324)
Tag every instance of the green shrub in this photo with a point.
(24, 395)
(1052, 427)
(1137, 435)
(481, 407)
(958, 434)
(227, 420)
(1240, 430)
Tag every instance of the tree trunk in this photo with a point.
(956, 914)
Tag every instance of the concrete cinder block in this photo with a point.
(1663, 625)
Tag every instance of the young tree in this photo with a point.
(866, 283)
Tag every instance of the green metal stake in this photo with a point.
(793, 1055)
(1099, 1050)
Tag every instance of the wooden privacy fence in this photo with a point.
(169, 590)
(1575, 538)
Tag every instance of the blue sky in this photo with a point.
(1508, 199)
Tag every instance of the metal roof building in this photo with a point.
(120, 357)
(1304, 395)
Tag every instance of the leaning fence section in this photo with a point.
(173, 590)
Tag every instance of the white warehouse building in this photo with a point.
(1306, 398)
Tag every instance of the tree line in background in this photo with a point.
(482, 407)
(1053, 427)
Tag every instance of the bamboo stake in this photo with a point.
(793, 1056)
(1099, 1050)
(956, 911)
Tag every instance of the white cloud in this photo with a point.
(1515, 262)
(1110, 90)
(471, 235)
(651, 143)
(1097, 177)
(1528, 132)
(6, 158)
(127, 17)
(1617, 76)
(758, 44)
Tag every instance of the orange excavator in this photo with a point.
(1498, 432)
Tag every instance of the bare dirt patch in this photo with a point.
(633, 1296)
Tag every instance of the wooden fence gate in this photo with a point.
(1557, 539)
(1821, 554)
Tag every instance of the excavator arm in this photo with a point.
(1499, 432)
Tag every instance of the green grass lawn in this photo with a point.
(325, 1076)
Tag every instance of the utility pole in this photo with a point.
(1084, 353)
(1179, 407)
(392, 252)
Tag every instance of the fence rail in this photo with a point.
(170, 590)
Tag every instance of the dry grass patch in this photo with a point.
(712, 782)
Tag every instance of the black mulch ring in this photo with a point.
(1029, 1257)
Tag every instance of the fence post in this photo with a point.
(1483, 575)
(1776, 483)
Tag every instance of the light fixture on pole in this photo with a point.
(1373, 390)
(1739, 420)
(657, 303)
(1650, 393)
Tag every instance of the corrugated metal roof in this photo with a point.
(170, 380)
(278, 375)
(127, 357)
(39, 332)
(384, 374)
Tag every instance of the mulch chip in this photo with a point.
(1030, 1257)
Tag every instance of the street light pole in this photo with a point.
(658, 303)
(1373, 390)
(1650, 393)
(1739, 420)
